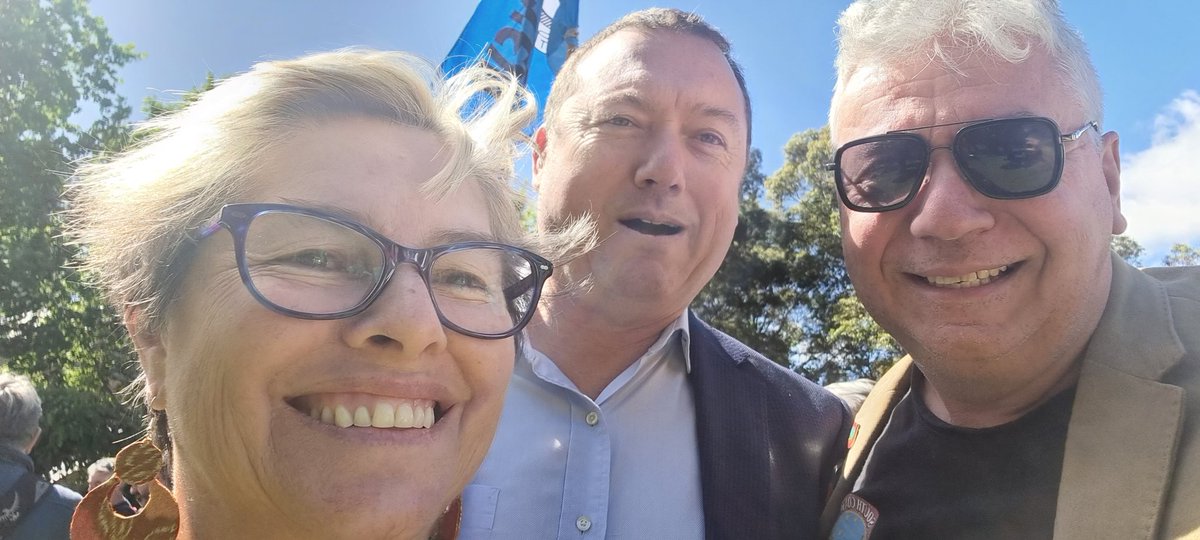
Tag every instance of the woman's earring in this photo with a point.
(95, 519)
(450, 522)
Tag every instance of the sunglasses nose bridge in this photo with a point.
(953, 161)
(932, 168)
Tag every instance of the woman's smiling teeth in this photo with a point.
(970, 279)
(392, 413)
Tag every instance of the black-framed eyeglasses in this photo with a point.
(1006, 158)
(309, 264)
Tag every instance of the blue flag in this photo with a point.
(529, 38)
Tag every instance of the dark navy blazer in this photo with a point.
(770, 440)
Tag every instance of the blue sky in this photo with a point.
(1146, 53)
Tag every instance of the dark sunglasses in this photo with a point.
(1006, 158)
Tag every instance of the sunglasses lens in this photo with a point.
(1012, 158)
(881, 172)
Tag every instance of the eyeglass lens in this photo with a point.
(311, 265)
(1007, 159)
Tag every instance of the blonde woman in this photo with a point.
(320, 265)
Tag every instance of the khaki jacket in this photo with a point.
(1131, 466)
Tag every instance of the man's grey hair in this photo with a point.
(947, 32)
(853, 393)
(105, 464)
(20, 411)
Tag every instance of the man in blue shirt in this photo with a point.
(627, 416)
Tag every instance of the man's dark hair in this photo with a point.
(646, 20)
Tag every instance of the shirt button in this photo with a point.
(583, 523)
(592, 419)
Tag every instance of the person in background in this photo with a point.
(1051, 390)
(30, 508)
(852, 392)
(323, 270)
(628, 416)
(99, 473)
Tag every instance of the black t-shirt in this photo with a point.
(928, 479)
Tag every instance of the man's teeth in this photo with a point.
(384, 414)
(970, 279)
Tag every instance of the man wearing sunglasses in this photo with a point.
(629, 417)
(1051, 390)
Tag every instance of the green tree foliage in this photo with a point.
(1182, 255)
(57, 60)
(783, 288)
(1129, 249)
(749, 297)
(153, 107)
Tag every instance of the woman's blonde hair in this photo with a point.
(132, 213)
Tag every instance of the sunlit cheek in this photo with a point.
(215, 416)
(211, 422)
(486, 366)
(859, 230)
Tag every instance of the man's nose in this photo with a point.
(948, 207)
(663, 163)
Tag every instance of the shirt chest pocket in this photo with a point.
(479, 511)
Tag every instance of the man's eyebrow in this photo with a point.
(622, 98)
(726, 116)
(720, 113)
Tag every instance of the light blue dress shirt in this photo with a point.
(564, 466)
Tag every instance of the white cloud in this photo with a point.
(1160, 186)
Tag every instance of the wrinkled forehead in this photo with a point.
(673, 55)
(874, 98)
(643, 61)
(385, 175)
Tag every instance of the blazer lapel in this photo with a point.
(1118, 457)
(1125, 425)
(732, 438)
(868, 424)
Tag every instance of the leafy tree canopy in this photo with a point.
(1182, 255)
(783, 289)
(59, 63)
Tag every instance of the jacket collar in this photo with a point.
(11, 455)
(1136, 334)
(1125, 423)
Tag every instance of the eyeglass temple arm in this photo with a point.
(206, 229)
(511, 292)
(1075, 135)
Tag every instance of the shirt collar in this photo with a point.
(531, 358)
(667, 338)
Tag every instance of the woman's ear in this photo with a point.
(152, 355)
